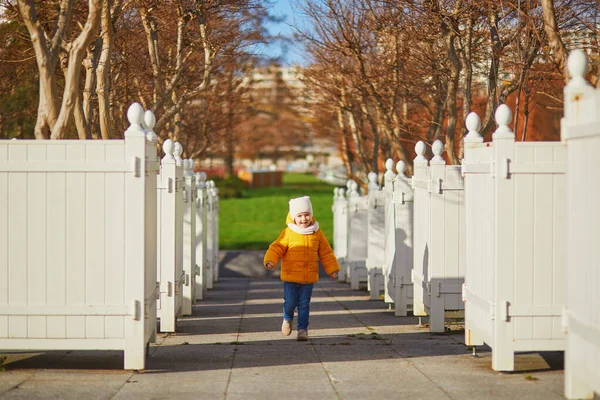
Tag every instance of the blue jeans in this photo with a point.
(297, 295)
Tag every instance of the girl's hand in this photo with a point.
(269, 265)
(334, 275)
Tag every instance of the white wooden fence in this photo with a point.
(170, 236)
(581, 134)
(356, 271)
(78, 243)
(439, 232)
(340, 229)
(201, 235)
(399, 240)
(514, 290)
(375, 237)
(190, 212)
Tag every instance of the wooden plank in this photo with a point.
(37, 233)
(56, 284)
(4, 245)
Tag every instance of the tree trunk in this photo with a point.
(76, 55)
(555, 42)
(102, 71)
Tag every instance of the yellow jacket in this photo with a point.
(300, 254)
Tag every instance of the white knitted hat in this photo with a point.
(299, 205)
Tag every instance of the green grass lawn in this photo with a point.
(255, 220)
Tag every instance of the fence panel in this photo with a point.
(202, 260)
(189, 238)
(357, 238)
(389, 272)
(76, 243)
(527, 220)
(340, 229)
(170, 237)
(447, 253)
(401, 242)
(581, 133)
(375, 238)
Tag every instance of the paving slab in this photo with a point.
(232, 348)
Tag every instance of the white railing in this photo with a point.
(439, 237)
(170, 206)
(78, 243)
(581, 134)
(514, 285)
(375, 238)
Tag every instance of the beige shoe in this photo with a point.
(302, 335)
(286, 327)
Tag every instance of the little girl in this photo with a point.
(300, 245)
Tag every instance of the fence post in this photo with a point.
(437, 252)
(421, 261)
(471, 141)
(581, 132)
(141, 272)
(504, 152)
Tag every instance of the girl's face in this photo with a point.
(303, 219)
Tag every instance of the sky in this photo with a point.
(293, 53)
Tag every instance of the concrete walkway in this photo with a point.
(232, 348)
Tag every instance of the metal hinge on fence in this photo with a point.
(135, 310)
(441, 187)
(136, 166)
(404, 201)
(167, 287)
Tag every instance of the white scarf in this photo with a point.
(304, 231)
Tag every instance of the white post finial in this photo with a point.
(372, 177)
(149, 122)
(353, 188)
(200, 179)
(389, 164)
(577, 65)
(503, 117)
(438, 149)
(401, 167)
(177, 152)
(342, 192)
(473, 124)
(135, 116)
(420, 150)
(389, 173)
(168, 149)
